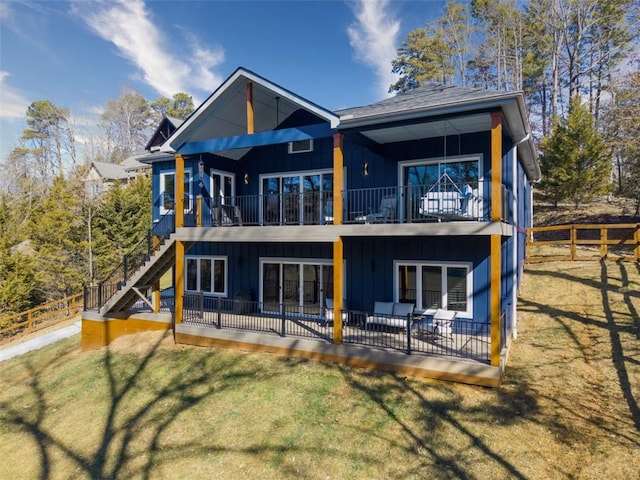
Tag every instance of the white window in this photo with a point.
(301, 146)
(435, 285)
(168, 192)
(207, 275)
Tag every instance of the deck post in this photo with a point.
(250, 120)
(199, 211)
(179, 282)
(178, 205)
(338, 262)
(156, 297)
(496, 240)
(494, 297)
(496, 167)
(338, 178)
(636, 237)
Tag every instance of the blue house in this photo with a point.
(388, 236)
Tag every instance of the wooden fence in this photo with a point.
(620, 242)
(40, 317)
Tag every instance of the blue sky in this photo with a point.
(78, 54)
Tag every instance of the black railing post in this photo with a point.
(149, 243)
(218, 312)
(408, 334)
(84, 297)
(284, 319)
(100, 295)
(124, 267)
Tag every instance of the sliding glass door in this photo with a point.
(302, 286)
(298, 199)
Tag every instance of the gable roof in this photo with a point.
(133, 162)
(223, 114)
(163, 131)
(109, 171)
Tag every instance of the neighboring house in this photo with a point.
(102, 176)
(354, 236)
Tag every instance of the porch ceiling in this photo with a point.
(429, 129)
(224, 113)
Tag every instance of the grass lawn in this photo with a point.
(569, 407)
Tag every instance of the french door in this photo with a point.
(302, 286)
(297, 198)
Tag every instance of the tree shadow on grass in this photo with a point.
(618, 354)
(611, 322)
(127, 421)
(425, 434)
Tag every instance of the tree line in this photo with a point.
(55, 235)
(576, 61)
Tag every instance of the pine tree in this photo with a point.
(59, 241)
(576, 162)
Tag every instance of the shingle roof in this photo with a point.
(424, 98)
(110, 171)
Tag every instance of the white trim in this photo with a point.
(221, 173)
(291, 150)
(325, 262)
(444, 265)
(187, 208)
(297, 173)
(213, 259)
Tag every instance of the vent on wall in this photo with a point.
(301, 146)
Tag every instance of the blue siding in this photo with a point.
(370, 274)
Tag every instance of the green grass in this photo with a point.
(146, 408)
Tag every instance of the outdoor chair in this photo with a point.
(386, 212)
(226, 215)
(440, 326)
(328, 313)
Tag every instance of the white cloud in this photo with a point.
(374, 37)
(13, 105)
(128, 25)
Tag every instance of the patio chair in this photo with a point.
(328, 313)
(386, 212)
(226, 215)
(440, 326)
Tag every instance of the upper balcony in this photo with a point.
(441, 202)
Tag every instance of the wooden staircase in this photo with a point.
(144, 278)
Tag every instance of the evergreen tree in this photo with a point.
(576, 162)
(58, 239)
(120, 223)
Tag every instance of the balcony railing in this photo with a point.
(439, 202)
(470, 340)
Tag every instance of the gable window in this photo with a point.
(435, 285)
(301, 146)
(207, 275)
(168, 192)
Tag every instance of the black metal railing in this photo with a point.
(274, 319)
(416, 203)
(468, 339)
(96, 296)
(406, 204)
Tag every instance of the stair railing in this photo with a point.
(96, 296)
